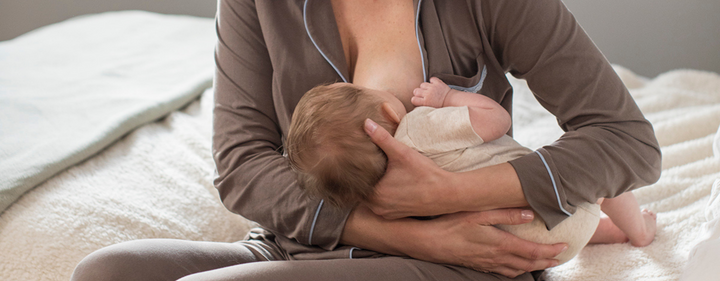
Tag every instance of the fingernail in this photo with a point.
(564, 248)
(370, 126)
(527, 214)
(554, 264)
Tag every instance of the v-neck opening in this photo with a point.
(321, 26)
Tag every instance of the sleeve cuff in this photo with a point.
(327, 226)
(543, 187)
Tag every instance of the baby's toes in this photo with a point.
(649, 213)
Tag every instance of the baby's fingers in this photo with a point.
(435, 80)
(417, 101)
(426, 85)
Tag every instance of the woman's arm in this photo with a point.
(254, 179)
(608, 147)
(466, 239)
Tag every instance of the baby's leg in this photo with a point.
(625, 222)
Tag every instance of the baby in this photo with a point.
(460, 131)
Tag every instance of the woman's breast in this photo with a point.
(380, 45)
(395, 72)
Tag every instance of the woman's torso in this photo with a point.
(380, 45)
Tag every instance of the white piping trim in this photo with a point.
(477, 87)
(316, 46)
(351, 250)
(312, 227)
(557, 194)
(417, 37)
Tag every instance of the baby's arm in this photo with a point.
(488, 118)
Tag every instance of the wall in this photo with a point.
(653, 36)
(20, 16)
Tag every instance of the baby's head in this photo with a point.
(328, 148)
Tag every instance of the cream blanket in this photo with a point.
(153, 183)
(156, 182)
(70, 89)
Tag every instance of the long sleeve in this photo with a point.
(254, 179)
(609, 147)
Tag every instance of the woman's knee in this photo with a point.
(115, 262)
(149, 259)
(159, 259)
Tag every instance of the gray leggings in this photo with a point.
(166, 259)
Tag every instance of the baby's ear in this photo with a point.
(390, 113)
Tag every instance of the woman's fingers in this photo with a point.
(534, 251)
(504, 216)
(382, 138)
(514, 253)
(410, 181)
(512, 243)
(526, 264)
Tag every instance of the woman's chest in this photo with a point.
(306, 49)
(380, 44)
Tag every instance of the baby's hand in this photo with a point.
(430, 94)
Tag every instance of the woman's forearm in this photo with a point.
(488, 188)
(367, 230)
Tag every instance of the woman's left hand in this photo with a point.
(413, 185)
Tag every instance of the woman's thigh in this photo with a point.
(166, 259)
(385, 268)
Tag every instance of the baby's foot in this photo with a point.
(648, 235)
(608, 233)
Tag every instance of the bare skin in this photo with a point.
(624, 223)
(380, 46)
(381, 50)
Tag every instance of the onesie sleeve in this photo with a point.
(436, 130)
(608, 146)
(254, 179)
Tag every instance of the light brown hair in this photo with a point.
(328, 148)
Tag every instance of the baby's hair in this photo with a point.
(332, 155)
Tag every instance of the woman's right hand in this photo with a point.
(470, 239)
(466, 239)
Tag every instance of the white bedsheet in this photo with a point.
(156, 182)
(70, 89)
(703, 258)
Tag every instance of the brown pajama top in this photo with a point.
(270, 53)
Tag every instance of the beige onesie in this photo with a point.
(446, 136)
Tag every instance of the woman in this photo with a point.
(271, 52)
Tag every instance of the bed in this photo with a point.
(73, 180)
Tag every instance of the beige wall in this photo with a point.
(647, 36)
(20, 16)
(653, 36)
